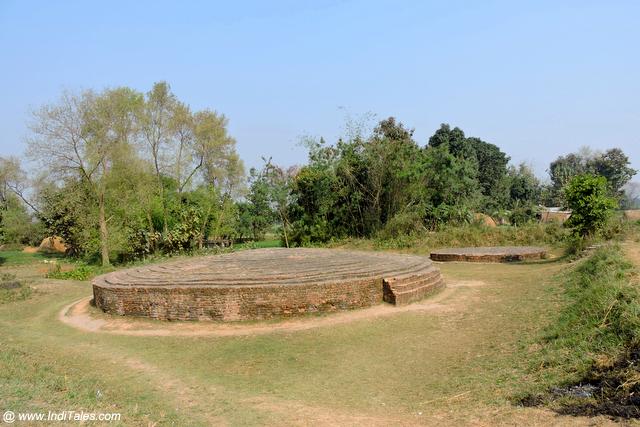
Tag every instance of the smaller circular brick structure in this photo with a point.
(489, 254)
(265, 283)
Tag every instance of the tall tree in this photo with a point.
(279, 195)
(81, 136)
(614, 165)
(492, 172)
(13, 179)
(156, 120)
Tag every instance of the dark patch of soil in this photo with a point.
(10, 285)
(608, 389)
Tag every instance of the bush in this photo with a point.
(81, 272)
(590, 206)
(402, 224)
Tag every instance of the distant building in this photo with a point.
(553, 214)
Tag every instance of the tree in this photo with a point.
(67, 211)
(156, 120)
(214, 151)
(451, 189)
(492, 172)
(488, 160)
(278, 182)
(188, 151)
(632, 195)
(562, 170)
(524, 187)
(258, 206)
(83, 136)
(14, 180)
(454, 139)
(16, 223)
(587, 197)
(524, 192)
(613, 164)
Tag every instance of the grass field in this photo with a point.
(18, 257)
(460, 363)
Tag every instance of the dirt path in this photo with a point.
(202, 396)
(79, 315)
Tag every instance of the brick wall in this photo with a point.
(235, 302)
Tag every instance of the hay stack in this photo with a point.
(53, 244)
(483, 219)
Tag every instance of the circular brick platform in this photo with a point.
(489, 254)
(265, 283)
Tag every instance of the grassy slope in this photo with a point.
(459, 365)
(595, 336)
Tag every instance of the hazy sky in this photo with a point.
(538, 79)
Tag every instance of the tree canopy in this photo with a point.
(128, 174)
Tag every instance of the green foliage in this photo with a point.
(613, 165)
(135, 174)
(17, 225)
(423, 241)
(590, 205)
(81, 272)
(258, 213)
(387, 185)
(67, 212)
(183, 233)
(402, 224)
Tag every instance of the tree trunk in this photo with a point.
(104, 233)
(203, 229)
(151, 230)
(284, 229)
(165, 214)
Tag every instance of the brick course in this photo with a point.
(489, 254)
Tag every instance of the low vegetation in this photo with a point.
(589, 355)
(12, 289)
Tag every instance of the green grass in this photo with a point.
(463, 363)
(12, 289)
(466, 235)
(406, 368)
(595, 332)
(273, 243)
(17, 257)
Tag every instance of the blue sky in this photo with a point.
(538, 79)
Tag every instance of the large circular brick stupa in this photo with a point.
(266, 283)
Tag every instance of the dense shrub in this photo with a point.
(591, 207)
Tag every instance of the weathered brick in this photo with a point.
(265, 283)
